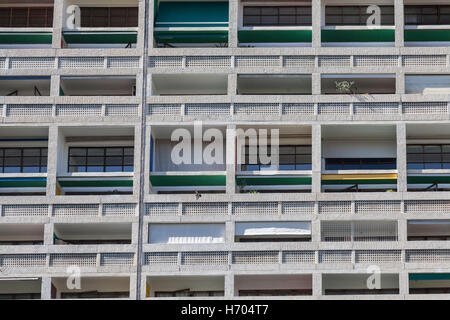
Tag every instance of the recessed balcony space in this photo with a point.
(274, 159)
(427, 23)
(428, 157)
(427, 84)
(358, 84)
(274, 84)
(358, 231)
(25, 86)
(95, 160)
(359, 158)
(189, 84)
(271, 285)
(429, 283)
(184, 24)
(186, 233)
(13, 288)
(357, 26)
(263, 24)
(360, 284)
(100, 24)
(186, 160)
(91, 288)
(184, 286)
(23, 234)
(23, 160)
(92, 233)
(428, 230)
(26, 24)
(273, 231)
(98, 86)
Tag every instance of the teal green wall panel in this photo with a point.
(274, 36)
(358, 35)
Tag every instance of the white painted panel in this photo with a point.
(273, 228)
(186, 233)
(423, 84)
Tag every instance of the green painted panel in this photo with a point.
(360, 181)
(358, 35)
(275, 181)
(199, 13)
(429, 276)
(96, 183)
(269, 36)
(428, 179)
(23, 183)
(427, 35)
(191, 36)
(188, 181)
(101, 38)
(25, 38)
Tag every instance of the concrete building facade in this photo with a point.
(92, 205)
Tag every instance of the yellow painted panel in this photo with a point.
(359, 176)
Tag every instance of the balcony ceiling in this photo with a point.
(31, 231)
(358, 131)
(427, 131)
(104, 131)
(76, 230)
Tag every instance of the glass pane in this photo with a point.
(304, 166)
(303, 159)
(114, 151)
(31, 161)
(287, 20)
(415, 158)
(252, 11)
(432, 165)
(287, 166)
(31, 152)
(432, 149)
(432, 157)
(13, 161)
(287, 11)
(251, 21)
(96, 151)
(77, 161)
(287, 159)
(269, 11)
(269, 20)
(31, 169)
(351, 165)
(414, 149)
(13, 152)
(77, 151)
(303, 150)
(128, 151)
(128, 160)
(415, 166)
(95, 161)
(287, 150)
(113, 161)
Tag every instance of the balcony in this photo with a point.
(427, 24)
(25, 26)
(428, 157)
(359, 231)
(273, 285)
(428, 230)
(23, 160)
(173, 168)
(189, 84)
(191, 24)
(429, 283)
(286, 231)
(23, 234)
(101, 25)
(92, 288)
(184, 286)
(366, 163)
(20, 288)
(357, 284)
(361, 84)
(274, 84)
(98, 86)
(255, 173)
(96, 160)
(263, 25)
(426, 84)
(92, 233)
(349, 26)
(25, 86)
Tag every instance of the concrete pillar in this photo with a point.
(316, 157)
(401, 158)
(137, 159)
(229, 285)
(317, 284)
(150, 20)
(55, 85)
(141, 23)
(134, 233)
(399, 23)
(59, 22)
(316, 84)
(48, 234)
(317, 23)
(147, 169)
(231, 159)
(403, 283)
(315, 231)
(400, 83)
(232, 84)
(46, 288)
(133, 285)
(52, 161)
(233, 24)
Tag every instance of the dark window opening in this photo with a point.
(356, 15)
(422, 156)
(291, 157)
(277, 16)
(360, 291)
(26, 17)
(360, 164)
(105, 17)
(188, 293)
(94, 294)
(279, 292)
(23, 160)
(101, 159)
(427, 15)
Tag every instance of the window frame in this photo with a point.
(104, 156)
(422, 14)
(298, 16)
(48, 17)
(423, 153)
(41, 165)
(362, 14)
(88, 13)
(362, 161)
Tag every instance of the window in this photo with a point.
(188, 293)
(23, 160)
(277, 16)
(291, 157)
(361, 164)
(98, 17)
(427, 15)
(356, 15)
(101, 159)
(94, 295)
(26, 17)
(428, 156)
(274, 292)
